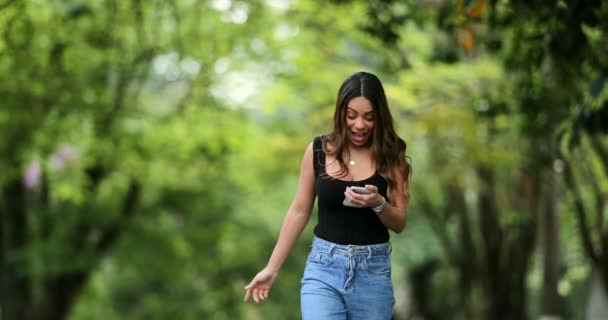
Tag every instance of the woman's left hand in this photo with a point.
(370, 200)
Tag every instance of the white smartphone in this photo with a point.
(360, 190)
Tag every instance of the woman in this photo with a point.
(347, 275)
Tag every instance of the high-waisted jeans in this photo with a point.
(347, 282)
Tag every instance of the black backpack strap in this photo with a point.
(318, 156)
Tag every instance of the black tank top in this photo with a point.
(338, 223)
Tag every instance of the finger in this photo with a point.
(348, 196)
(256, 295)
(355, 202)
(352, 200)
(371, 188)
(265, 294)
(346, 193)
(247, 295)
(351, 193)
(251, 284)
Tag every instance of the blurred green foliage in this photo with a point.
(151, 148)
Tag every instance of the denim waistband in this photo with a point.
(351, 249)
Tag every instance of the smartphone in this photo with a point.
(360, 190)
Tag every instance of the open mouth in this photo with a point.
(359, 137)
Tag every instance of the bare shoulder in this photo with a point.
(307, 159)
(309, 150)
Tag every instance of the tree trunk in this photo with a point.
(491, 246)
(60, 295)
(551, 302)
(468, 261)
(507, 254)
(597, 305)
(420, 278)
(15, 293)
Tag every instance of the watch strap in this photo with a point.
(380, 207)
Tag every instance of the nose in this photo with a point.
(359, 124)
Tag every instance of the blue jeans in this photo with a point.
(347, 282)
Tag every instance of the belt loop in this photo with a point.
(390, 248)
(369, 251)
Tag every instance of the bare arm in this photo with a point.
(298, 214)
(394, 215)
(295, 221)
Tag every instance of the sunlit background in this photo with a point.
(150, 150)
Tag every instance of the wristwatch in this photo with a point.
(380, 207)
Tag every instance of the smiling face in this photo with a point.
(360, 121)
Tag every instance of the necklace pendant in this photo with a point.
(351, 162)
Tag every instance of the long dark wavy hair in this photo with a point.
(388, 150)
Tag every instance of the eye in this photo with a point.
(351, 116)
(370, 117)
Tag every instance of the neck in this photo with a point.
(354, 155)
(358, 149)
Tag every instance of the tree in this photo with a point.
(102, 109)
(554, 54)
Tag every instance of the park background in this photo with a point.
(150, 149)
